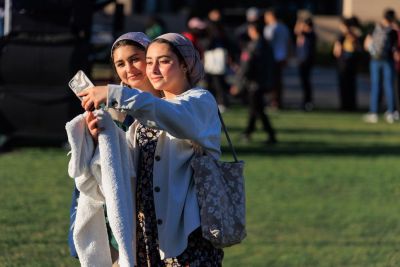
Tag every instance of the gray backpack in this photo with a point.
(380, 42)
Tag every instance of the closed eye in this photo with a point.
(164, 61)
(134, 59)
(119, 65)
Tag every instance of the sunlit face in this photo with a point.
(164, 69)
(130, 64)
(252, 32)
(269, 18)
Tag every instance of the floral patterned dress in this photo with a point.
(199, 252)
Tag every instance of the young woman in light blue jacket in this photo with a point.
(161, 139)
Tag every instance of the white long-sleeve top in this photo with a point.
(191, 116)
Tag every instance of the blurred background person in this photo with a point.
(306, 42)
(382, 45)
(217, 55)
(155, 26)
(278, 35)
(196, 28)
(1, 21)
(396, 26)
(346, 50)
(255, 76)
(241, 35)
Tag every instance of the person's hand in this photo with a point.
(367, 42)
(93, 97)
(337, 49)
(234, 91)
(396, 56)
(300, 40)
(92, 124)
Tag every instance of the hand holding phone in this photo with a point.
(80, 82)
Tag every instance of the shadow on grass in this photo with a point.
(33, 142)
(314, 148)
(315, 131)
(340, 243)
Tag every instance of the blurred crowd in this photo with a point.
(249, 62)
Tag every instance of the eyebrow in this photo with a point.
(160, 57)
(133, 55)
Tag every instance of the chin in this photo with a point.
(157, 86)
(136, 83)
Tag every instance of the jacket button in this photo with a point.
(157, 158)
(157, 189)
(159, 221)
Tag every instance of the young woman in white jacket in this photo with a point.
(128, 59)
(161, 140)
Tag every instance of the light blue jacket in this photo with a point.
(191, 116)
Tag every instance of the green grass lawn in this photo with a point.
(326, 195)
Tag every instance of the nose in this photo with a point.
(155, 68)
(129, 68)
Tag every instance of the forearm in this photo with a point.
(186, 117)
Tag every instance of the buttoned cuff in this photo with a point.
(114, 96)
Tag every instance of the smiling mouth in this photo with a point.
(156, 79)
(134, 76)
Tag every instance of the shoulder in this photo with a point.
(393, 32)
(282, 28)
(251, 46)
(196, 93)
(199, 97)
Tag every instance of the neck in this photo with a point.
(181, 88)
(147, 87)
(169, 95)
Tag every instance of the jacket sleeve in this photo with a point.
(246, 60)
(191, 115)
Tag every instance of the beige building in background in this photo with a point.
(369, 10)
(327, 27)
(109, 9)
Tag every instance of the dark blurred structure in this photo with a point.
(234, 10)
(49, 41)
(201, 7)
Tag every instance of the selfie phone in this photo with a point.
(80, 82)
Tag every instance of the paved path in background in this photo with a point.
(325, 84)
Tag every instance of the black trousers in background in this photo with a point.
(305, 68)
(219, 88)
(347, 73)
(256, 110)
(397, 92)
(277, 90)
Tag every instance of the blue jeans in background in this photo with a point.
(72, 214)
(387, 69)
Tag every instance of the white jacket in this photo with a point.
(102, 177)
(191, 116)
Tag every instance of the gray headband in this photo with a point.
(189, 53)
(138, 37)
